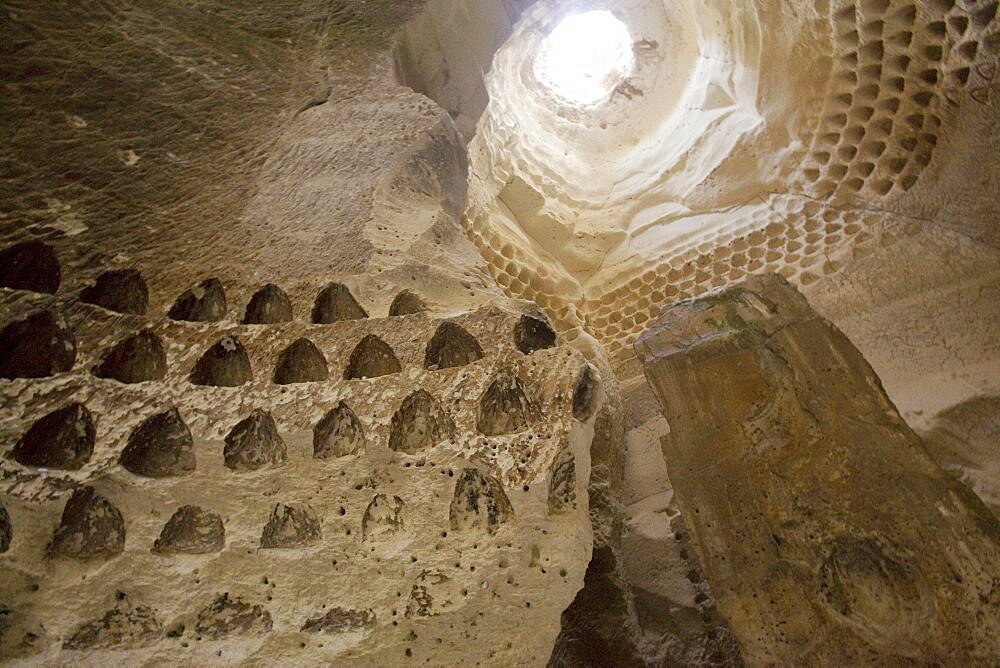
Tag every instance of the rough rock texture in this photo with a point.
(42, 344)
(232, 616)
(91, 527)
(407, 303)
(254, 443)
(300, 362)
(269, 305)
(191, 530)
(63, 439)
(160, 447)
(136, 359)
(205, 302)
(451, 346)
(121, 290)
(30, 265)
(291, 526)
(797, 477)
(338, 433)
(419, 424)
(122, 627)
(533, 334)
(6, 530)
(504, 407)
(335, 303)
(225, 364)
(383, 515)
(479, 503)
(339, 620)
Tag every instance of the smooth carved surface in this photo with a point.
(335, 303)
(797, 477)
(300, 362)
(269, 305)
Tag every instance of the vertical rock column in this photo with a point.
(827, 533)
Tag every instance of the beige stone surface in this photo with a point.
(827, 532)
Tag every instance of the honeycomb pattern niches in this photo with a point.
(369, 512)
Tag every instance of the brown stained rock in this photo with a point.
(827, 533)
(191, 530)
(232, 617)
(6, 530)
(504, 407)
(407, 303)
(531, 334)
(254, 443)
(420, 423)
(480, 503)
(160, 447)
(91, 527)
(63, 439)
(205, 302)
(121, 290)
(226, 364)
(122, 627)
(588, 384)
(136, 359)
(30, 265)
(340, 620)
(291, 526)
(371, 358)
(335, 303)
(40, 345)
(562, 483)
(382, 516)
(338, 433)
(21, 636)
(451, 346)
(300, 362)
(269, 305)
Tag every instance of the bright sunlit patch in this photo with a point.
(585, 57)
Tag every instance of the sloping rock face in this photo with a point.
(826, 531)
(39, 345)
(63, 439)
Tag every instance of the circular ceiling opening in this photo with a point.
(585, 58)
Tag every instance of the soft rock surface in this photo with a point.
(407, 303)
(269, 305)
(137, 359)
(372, 358)
(419, 424)
(91, 527)
(253, 443)
(122, 627)
(301, 362)
(335, 303)
(232, 616)
(204, 303)
(338, 433)
(159, 447)
(191, 530)
(797, 476)
(225, 364)
(451, 346)
(291, 526)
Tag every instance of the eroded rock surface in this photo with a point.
(30, 265)
(419, 424)
(227, 617)
(40, 345)
(122, 627)
(340, 620)
(382, 516)
(797, 477)
(254, 443)
(533, 333)
(120, 290)
(291, 526)
(191, 530)
(6, 530)
(479, 503)
(205, 302)
(160, 447)
(504, 408)
(407, 303)
(225, 364)
(338, 433)
(91, 527)
(63, 439)
(137, 359)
